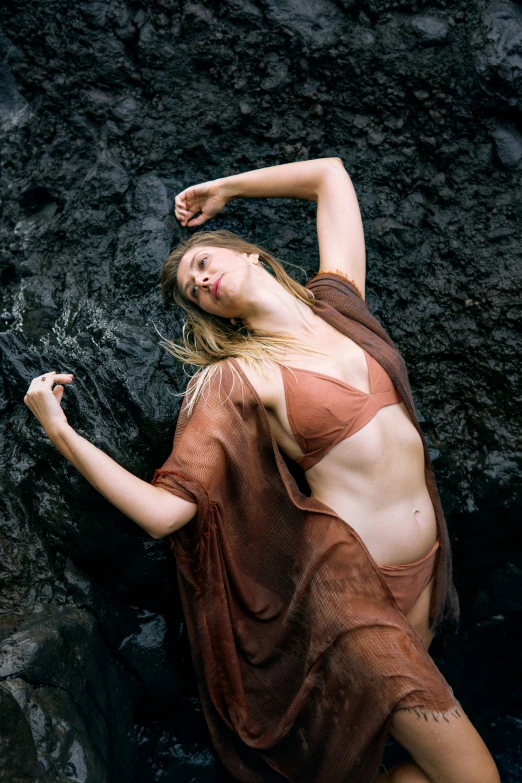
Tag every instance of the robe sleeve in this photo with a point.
(197, 467)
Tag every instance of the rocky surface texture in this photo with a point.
(107, 109)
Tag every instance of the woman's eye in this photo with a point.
(200, 263)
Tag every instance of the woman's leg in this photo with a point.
(404, 773)
(448, 751)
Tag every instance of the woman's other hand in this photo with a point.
(45, 402)
(206, 198)
(154, 509)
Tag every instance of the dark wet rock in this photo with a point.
(64, 749)
(18, 758)
(505, 743)
(107, 110)
(145, 641)
(107, 178)
(14, 109)
(151, 198)
(179, 746)
(508, 146)
(499, 42)
(430, 29)
(319, 22)
(75, 699)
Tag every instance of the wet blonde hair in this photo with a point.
(207, 340)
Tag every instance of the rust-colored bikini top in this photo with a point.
(322, 410)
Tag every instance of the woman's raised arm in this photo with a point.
(290, 180)
(154, 509)
(324, 180)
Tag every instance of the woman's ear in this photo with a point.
(254, 257)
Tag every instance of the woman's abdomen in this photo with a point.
(375, 482)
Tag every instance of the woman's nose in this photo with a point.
(202, 279)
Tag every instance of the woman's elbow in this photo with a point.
(164, 529)
(335, 163)
(157, 534)
(333, 171)
(175, 513)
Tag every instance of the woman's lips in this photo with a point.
(216, 287)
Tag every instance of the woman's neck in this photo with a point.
(279, 312)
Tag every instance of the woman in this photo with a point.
(312, 585)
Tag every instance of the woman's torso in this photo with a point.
(374, 478)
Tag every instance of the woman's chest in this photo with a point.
(309, 407)
(271, 392)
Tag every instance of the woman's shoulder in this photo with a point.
(210, 385)
(224, 380)
(266, 381)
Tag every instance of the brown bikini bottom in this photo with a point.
(408, 580)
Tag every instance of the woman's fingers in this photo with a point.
(45, 383)
(197, 221)
(181, 198)
(183, 215)
(182, 209)
(62, 377)
(58, 393)
(186, 200)
(47, 380)
(45, 401)
(198, 200)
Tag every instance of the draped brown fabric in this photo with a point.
(301, 652)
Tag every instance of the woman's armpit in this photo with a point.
(339, 273)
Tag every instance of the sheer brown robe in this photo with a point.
(301, 653)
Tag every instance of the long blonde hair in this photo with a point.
(207, 340)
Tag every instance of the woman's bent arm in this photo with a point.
(154, 509)
(303, 179)
(324, 181)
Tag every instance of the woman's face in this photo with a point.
(219, 280)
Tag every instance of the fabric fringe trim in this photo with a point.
(341, 274)
(435, 714)
(196, 561)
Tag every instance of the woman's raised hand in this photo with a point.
(206, 198)
(44, 401)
